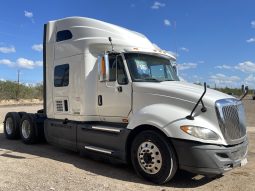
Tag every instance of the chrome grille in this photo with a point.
(231, 118)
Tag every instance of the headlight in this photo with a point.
(200, 132)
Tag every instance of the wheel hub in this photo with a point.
(9, 126)
(25, 129)
(149, 157)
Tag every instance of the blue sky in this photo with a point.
(214, 39)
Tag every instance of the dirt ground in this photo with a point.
(45, 167)
(20, 102)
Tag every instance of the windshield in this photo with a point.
(145, 67)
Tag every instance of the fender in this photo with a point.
(168, 119)
(157, 115)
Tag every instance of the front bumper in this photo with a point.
(209, 159)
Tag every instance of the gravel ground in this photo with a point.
(45, 167)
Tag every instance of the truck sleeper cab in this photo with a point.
(125, 102)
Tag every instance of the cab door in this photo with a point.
(114, 96)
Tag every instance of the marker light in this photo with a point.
(103, 68)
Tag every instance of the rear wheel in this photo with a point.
(153, 157)
(27, 129)
(11, 125)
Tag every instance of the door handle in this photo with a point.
(119, 88)
(100, 100)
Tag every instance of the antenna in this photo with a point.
(110, 40)
(175, 40)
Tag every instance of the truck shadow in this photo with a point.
(16, 150)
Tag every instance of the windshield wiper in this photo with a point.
(152, 79)
(168, 80)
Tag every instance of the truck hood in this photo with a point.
(180, 90)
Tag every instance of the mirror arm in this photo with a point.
(245, 93)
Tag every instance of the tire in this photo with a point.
(21, 113)
(27, 129)
(153, 157)
(11, 125)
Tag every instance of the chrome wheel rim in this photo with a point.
(9, 126)
(149, 157)
(25, 129)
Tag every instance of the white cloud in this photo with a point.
(28, 14)
(157, 5)
(39, 63)
(37, 47)
(6, 62)
(223, 79)
(250, 79)
(25, 63)
(22, 63)
(227, 67)
(201, 62)
(28, 64)
(253, 24)
(167, 22)
(247, 67)
(6, 50)
(2, 80)
(250, 40)
(186, 66)
(184, 49)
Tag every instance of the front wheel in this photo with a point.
(153, 157)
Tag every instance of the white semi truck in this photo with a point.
(109, 91)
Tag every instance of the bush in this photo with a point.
(12, 90)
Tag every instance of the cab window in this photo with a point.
(121, 72)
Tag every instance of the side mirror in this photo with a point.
(246, 90)
(243, 89)
(103, 68)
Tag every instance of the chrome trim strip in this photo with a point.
(108, 129)
(98, 150)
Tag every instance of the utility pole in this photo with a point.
(17, 93)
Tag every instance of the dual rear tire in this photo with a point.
(11, 125)
(20, 126)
